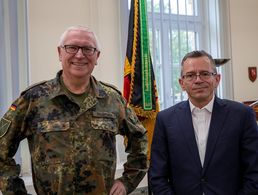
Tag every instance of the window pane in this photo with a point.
(186, 7)
(157, 46)
(182, 7)
(173, 6)
(176, 89)
(166, 6)
(181, 43)
(158, 78)
(156, 6)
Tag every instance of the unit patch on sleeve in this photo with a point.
(4, 125)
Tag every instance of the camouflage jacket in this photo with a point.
(72, 147)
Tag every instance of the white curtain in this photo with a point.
(13, 51)
(13, 54)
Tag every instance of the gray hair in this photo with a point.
(81, 28)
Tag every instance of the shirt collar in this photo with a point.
(208, 107)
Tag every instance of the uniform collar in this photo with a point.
(95, 87)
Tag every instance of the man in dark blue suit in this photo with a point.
(205, 145)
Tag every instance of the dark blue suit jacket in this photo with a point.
(231, 159)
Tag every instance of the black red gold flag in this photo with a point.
(139, 81)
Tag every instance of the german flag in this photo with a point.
(139, 81)
(13, 107)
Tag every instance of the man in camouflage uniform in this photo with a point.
(71, 123)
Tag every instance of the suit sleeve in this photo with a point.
(249, 156)
(10, 137)
(160, 180)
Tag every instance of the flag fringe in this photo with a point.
(143, 113)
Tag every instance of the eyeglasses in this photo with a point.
(73, 49)
(205, 75)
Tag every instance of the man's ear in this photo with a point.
(217, 78)
(59, 53)
(181, 82)
(98, 54)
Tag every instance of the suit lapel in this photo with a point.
(186, 125)
(218, 117)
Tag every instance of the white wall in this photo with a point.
(49, 18)
(244, 32)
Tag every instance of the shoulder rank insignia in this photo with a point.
(33, 85)
(4, 125)
(111, 86)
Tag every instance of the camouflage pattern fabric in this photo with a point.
(73, 147)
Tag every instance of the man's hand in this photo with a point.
(118, 188)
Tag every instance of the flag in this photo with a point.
(139, 82)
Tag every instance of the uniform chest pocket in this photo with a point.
(104, 121)
(53, 126)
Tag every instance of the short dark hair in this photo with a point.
(196, 54)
